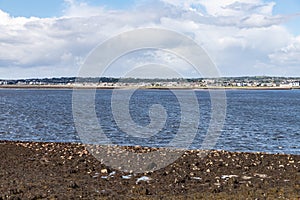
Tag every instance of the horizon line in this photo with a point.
(152, 78)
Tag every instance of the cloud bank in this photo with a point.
(243, 37)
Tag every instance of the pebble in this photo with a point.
(246, 177)
(261, 175)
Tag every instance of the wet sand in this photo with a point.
(68, 171)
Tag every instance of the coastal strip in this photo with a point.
(30, 170)
(143, 87)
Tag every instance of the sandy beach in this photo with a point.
(68, 171)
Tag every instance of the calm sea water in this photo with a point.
(265, 121)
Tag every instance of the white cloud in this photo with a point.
(238, 35)
(288, 55)
(7, 20)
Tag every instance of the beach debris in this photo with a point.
(143, 178)
(229, 176)
(112, 174)
(104, 177)
(127, 177)
(196, 178)
(96, 175)
(104, 171)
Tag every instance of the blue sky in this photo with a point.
(51, 8)
(30, 8)
(54, 7)
(243, 37)
(289, 7)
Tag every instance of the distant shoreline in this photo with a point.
(131, 87)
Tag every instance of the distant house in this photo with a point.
(271, 84)
(285, 85)
(290, 84)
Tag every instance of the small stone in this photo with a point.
(246, 177)
(260, 175)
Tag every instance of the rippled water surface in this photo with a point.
(256, 120)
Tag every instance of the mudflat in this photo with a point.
(30, 170)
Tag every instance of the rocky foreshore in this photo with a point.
(68, 171)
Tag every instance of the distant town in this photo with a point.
(107, 82)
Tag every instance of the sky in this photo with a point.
(242, 37)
